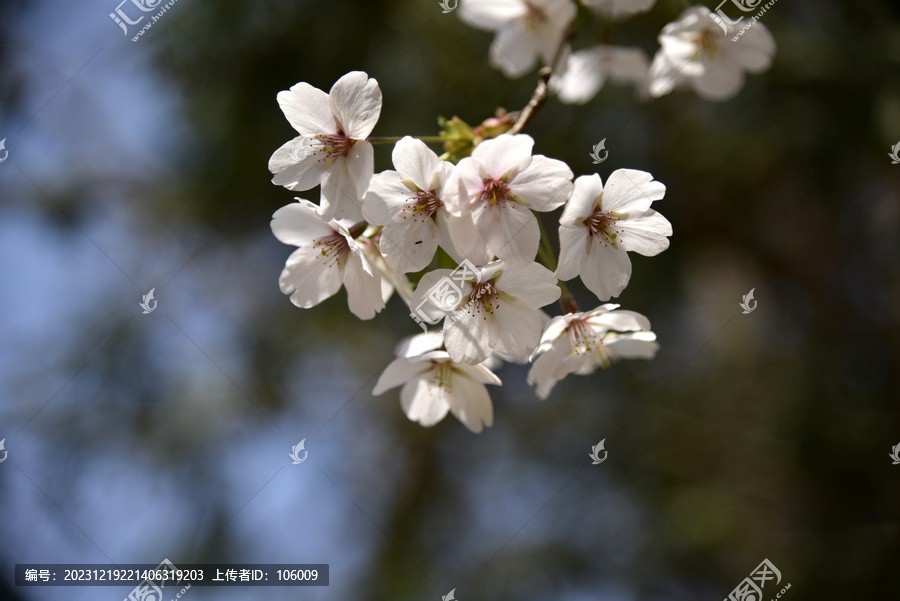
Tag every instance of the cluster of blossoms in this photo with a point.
(697, 50)
(369, 231)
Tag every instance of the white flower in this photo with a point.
(695, 53)
(581, 342)
(587, 70)
(525, 30)
(327, 257)
(495, 189)
(599, 226)
(617, 9)
(497, 308)
(433, 384)
(331, 148)
(409, 203)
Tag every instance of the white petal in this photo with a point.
(437, 294)
(520, 327)
(639, 345)
(584, 76)
(470, 336)
(409, 246)
(414, 161)
(498, 156)
(467, 240)
(518, 238)
(464, 185)
(385, 198)
(470, 403)
(419, 344)
(355, 100)
(514, 51)
(296, 166)
(544, 185)
(607, 271)
(583, 200)
(542, 370)
(398, 372)
(645, 234)
(479, 373)
(574, 249)
(424, 401)
(307, 110)
(491, 14)
(722, 79)
(631, 190)
(755, 48)
(618, 321)
(363, 288)
(534, 284)
(308, 278)
(298, 224)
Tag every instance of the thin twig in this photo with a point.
(542, 91)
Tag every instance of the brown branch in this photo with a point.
(542, 91)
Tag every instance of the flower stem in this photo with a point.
(545, 254)
(392, 139)
(542, 91)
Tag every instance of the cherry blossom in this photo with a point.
(327, 256)
(433, 385)
(694, 52)
(525, 30)
(587, 71)
(600, 225)
(581, 342)
(331, 149)
(409, 203)
(497, 309)
(494, 190)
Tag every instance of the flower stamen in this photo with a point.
(422, 206)
(335, 145)
(495, 192)
(601, 224)
(334, 249)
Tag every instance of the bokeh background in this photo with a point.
(134, 438)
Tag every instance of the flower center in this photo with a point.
(601, 226)
(534, 15)
(334, 249)
(496, 191)
(585, 340)
(440, 375)
(335, 145)
(484, 298)
(708, 42)
(422, 206)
